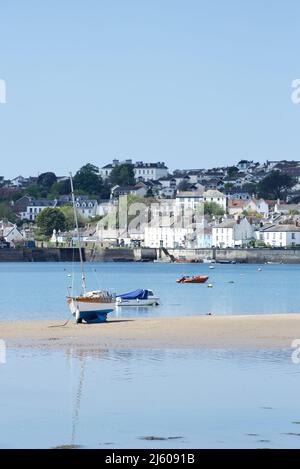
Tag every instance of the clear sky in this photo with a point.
(194, 83)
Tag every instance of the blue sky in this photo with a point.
(193, 83)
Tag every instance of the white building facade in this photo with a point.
(150, 171)
(280, 235)
(232, 233)
(217, 197)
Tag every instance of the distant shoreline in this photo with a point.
(249, 331)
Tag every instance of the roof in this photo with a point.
(281, 228)
(288, 207)
(235, 203)
(189, 194)
(41, 203)
(107, 166)
(159, 164)
(226, 224)
(213, 193)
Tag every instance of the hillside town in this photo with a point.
(249, 204)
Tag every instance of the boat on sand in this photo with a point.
(140, 297)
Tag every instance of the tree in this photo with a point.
(34, 191)
(60, 188)
(123, 175)
(51, 219)
(250, 187)
(46, 180)
(232, 171)
(6, 212)
(68, 212)
(275, 185)
(211, 208)
(183, 185)
(88, 180)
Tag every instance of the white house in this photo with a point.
(34, 207)
(86, 208)
(280, 235)
(188, 200)
(260, 206)
(285, 209)
(106, 170)
(150, 171)
(170, 236)
(231, 233)
(215, 196)
(10, 232)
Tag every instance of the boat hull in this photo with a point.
(196, 279)
(90, 311)
(137, 302)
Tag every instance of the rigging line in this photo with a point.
(83, 278)
(61, 325)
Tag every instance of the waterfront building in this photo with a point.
(279, 235)
(232, 233)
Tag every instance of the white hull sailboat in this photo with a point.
(88, 306)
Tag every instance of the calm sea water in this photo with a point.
(38, 290)
(150, 399)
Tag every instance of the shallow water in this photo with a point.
(150, 399)
(38, 290)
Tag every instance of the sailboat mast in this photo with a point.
(83, 279)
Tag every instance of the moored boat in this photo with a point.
(193, 279)
(88, 306)
(140, 297)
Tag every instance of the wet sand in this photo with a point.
(258, 331)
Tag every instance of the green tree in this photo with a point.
(7, 212)
(211, 208)
(88, 180)
(60, 188)
(68, 212)
(183, 185)
(123, 175)
(275, 185)
(34, 191)
(51, 219)
(232, 171)
(46, 181)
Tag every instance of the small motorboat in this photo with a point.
(140, 297)
(193, 279)
(208, 260)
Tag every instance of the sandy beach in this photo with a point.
(259, 331)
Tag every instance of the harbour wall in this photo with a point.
(39, 255)
(247, 256)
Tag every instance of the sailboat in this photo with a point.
(88, 306)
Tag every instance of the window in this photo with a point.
(293, 235)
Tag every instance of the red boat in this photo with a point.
(194, 279)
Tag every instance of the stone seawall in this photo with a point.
(39, 255)
(247, 256)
